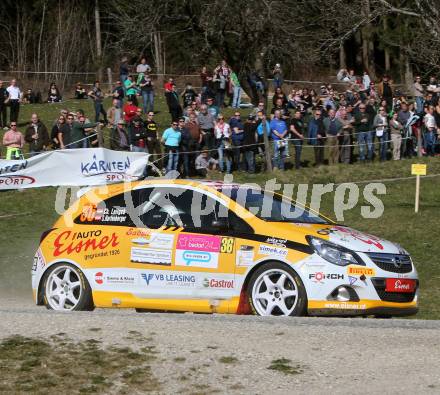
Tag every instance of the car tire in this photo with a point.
(65, 288)
(276, 290)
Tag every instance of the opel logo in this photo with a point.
(397, 261)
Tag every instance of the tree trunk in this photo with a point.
(342, 57)
(98, 40)
(386, 50)
(402, 62)
(387, 60)
(409, 78)
(158, 59)
(251, 90)
(109, 79)
(358, 41)
(372, 65)
(367, 42)
(40, 37)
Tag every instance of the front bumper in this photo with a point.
(365, 285)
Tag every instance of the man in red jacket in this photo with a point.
(129, 110)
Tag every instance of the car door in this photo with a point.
(100, 234)
(203, 256)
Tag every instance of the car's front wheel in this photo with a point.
(67, 289)
(275, 289)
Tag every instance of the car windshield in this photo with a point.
(272, 207)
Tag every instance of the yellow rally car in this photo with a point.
(211, 247)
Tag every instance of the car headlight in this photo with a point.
(334, 253)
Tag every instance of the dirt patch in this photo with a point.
(61, 365)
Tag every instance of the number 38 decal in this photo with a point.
(227, 246)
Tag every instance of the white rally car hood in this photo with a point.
(362, 242)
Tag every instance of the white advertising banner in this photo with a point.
(72, 167)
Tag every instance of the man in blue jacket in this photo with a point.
(317, 137)
(278, 132)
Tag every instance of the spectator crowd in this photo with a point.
(381, 121)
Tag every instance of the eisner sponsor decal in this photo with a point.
(400, 285)
(359, 271)
(69, 242)
(319, 277)
(214, 283)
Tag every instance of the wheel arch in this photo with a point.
(40, 296)
(243, 304)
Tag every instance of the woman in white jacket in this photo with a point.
(380, 125)
(396, 136)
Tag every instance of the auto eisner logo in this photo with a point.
(68, 242)
(213, 283)
(319, 277)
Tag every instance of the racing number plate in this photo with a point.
(400, 285)
(227, 245)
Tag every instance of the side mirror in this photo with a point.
(220, 225)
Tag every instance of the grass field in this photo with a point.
(24, 215)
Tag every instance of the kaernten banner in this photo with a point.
(73, 167)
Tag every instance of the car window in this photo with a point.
(273, 207)
(152, 208)
(162, 206)
(185, 208)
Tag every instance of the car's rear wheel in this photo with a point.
(276, 290)
(67, 289)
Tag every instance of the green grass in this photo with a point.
(284, 366)
(26, 214)
(228, 359)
